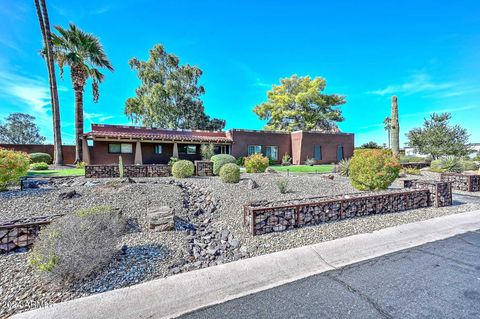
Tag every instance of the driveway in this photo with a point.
(436, 280)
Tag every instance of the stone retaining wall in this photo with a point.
(440, 192)
(463, 182)
(266, 217)
(204, 168)
(111, 171)
(18, 235)
(417, 165)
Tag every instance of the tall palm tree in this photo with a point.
(387, 125)
(85, 56)
(42, 14)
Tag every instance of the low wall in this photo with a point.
(112, 171)
(416, 165)
(204, 168)
(20, 234)
(462, 182)
(440, 192)
(68, 150)
(262, 218)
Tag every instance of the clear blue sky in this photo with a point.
(426, 52)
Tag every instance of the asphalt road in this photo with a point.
(436, 280)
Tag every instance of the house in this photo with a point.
(141, 145)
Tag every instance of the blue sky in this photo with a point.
(426, 52)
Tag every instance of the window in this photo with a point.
(339, 152)
(187, 149)
(222, 149)
(253, 149)
(117, 148)
(158, 149)
(272, 152)
(317, 153)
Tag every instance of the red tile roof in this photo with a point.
(135, 132)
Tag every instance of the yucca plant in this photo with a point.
(344, 167)
(451, 164)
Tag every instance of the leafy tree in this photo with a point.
(371, 144)
(84, 54)
(44, 21)
(438, 138)
(20, 128)
(169, 94)
(299, 104)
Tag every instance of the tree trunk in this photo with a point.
(389, 139)
(395, 128)
(43, 19)
(78, 124)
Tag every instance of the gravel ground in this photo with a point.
(152, 254)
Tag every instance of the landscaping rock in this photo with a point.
(270, 170)
(161, 219)
(69, 195)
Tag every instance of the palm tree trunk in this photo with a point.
(47, 39)
(78, 124)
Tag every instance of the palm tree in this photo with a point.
(42, 14)
(387, 122)
(85, 56)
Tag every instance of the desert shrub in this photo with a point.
(80, 165)
(413, 159)
(73, 247)
(451, 164)
(344, 167)
(372, 169)
(220, 160)
(207, 151)
(13, 165)
(40, 157)
(256, 163)
(240, 161)
(230, 173)
(271, 161)
(172, 161)
(40, 166)
(469, 165)
(436, 167)
(183, 169)
(282, 185)
(412, 171)
(286, 159)
(310, 161)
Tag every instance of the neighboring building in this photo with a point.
(475, 148)
(412, 151)
(140, 145)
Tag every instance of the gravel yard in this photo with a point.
(153, 254)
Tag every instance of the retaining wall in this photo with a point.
(204, 168)
(462, 182)
(416, 165)
(112, 171)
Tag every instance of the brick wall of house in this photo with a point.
(243, 138)
(328, 142)
(68, 150)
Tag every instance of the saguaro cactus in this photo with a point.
(395, 128)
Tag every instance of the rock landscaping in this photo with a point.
(205, 213)
(463, 182)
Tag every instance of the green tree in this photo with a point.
(169, 94)
(85, 56)
(387, 126)
(371, 145)
(47, 52)
(299, 104)
(20, 128)
(438, 138)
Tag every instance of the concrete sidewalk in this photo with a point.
(176, 295)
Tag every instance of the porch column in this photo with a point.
(175, 150)
(85, 151)
(138, 154)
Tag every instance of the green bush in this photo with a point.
(310, 161)
(40, 166)
(183, 169)
(282, 185)
(172, 161)
(413, 159)
(40, 157)
(344, 167)
(286, 160)
(13, 165)
(230, 173)
(451, 164)
(373, 169)
(412, 171)
(469, 165)
(75, 246)
(80, 165)
(207, 151)
(240, 161)
(220, 160)
(256, 163)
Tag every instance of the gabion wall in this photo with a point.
(110, 171)
(463, 182)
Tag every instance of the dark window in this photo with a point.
(222, 149)
(339, 152)
(271, 152)
(158, 149)
(254, 149)
(187, 149)
(318, 152)
(117, 148)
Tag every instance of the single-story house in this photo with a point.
(141, 145)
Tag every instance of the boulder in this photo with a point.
(161, 218)
(68, 195)
(270, 170)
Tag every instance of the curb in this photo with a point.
(176, 295)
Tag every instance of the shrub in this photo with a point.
(230, 173)
(344, 167)
(372, 169)
(40, 166)
(412, 171)
(75, 246)
(80, 165)
(451, 164)
(256, 163)
(413, 159)
(310, 161)
(40, 157)
(436, 167)
(183, 169)
(13, 165)
(207, 151)
(282, 185)
(220, 160)
(469, 165)
(172, 161)
(286, 160)
(240, 161)
(271, 161)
